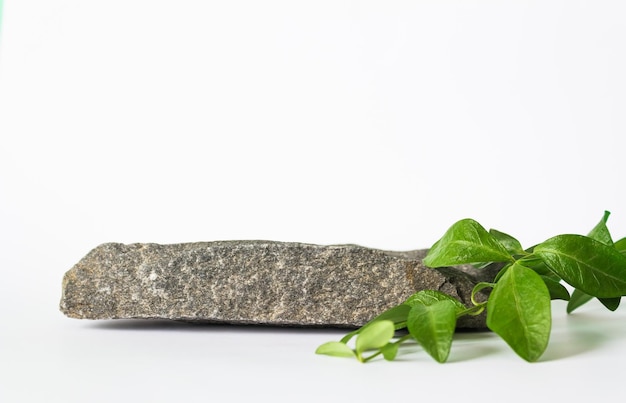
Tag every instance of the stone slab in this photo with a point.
(254, 282)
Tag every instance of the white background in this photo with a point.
(377, 123)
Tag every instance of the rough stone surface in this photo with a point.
(253, 282)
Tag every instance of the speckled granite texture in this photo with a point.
(253, 282)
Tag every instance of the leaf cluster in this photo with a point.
(519, 305)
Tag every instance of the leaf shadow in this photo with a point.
(408, 351)
(472, 345)
(580, 334)
(573, 335)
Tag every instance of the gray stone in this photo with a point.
(253, 282)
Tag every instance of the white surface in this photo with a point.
(378, 123)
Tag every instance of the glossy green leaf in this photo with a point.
(589, 265)
(580, 298)
(481, 265)
(390, 350)
(433, 327)
(577, 300)
(519, 311)
(430, 297)
(611, 303)
(601, 232)
(536, 263)
(556, 289)
(374, 336)
(512, 245)
(621, 246)
(396, 314)
(466, 242)
(335, 349)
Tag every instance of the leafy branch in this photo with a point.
(519, 304)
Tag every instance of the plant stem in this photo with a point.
(400, 340)
(475, 310)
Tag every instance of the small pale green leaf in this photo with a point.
(396, 314)
(589, 265)
(577, 300)
(621, 246)
(601, 232)
(335, 349)
(611, 303)
(556, 289)
(512, 245)
(374, 336)
(390, 350)
(433, 327)
(466, 242)
(429, 297)
(519, 311)
(350, 335)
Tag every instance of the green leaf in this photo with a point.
(396, 314)
(534, 262)
(601, 232)
(433, 327)
(589, 265)
(430, 297)
(556, 289)
(350, 335)
(512, 245)
(518, 310)
(577, 300)
(390, 350)
(335, 349)
(580, 298)
(621, 246)
(374, 336)
(611, 303)
(466, 242)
